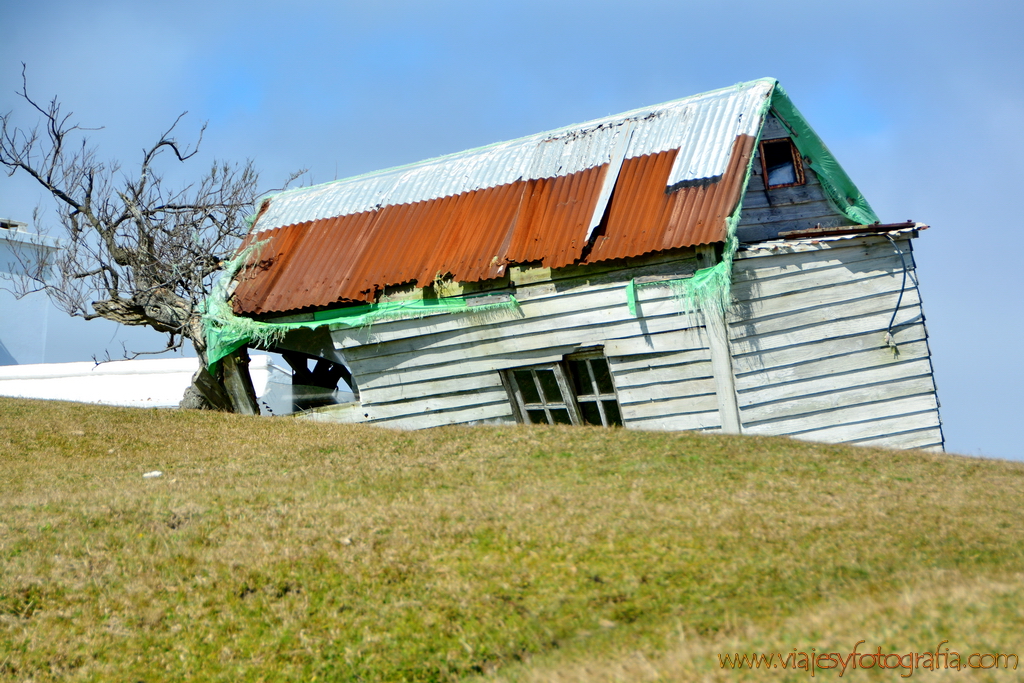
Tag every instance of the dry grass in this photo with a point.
(278, 550)
(980, 615)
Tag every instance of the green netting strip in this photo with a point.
(227, 332)
(842, 194)
(707, 290)
(631, 296)
(710, 289)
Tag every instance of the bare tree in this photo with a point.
(134, 250)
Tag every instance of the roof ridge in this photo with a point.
(592, 123)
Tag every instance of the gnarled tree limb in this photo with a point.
(133, 249)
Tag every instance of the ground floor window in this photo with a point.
(578, 390)
(595, 393)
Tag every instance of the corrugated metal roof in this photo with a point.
(655, 178)
(644, 218)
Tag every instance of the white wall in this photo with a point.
(23, 322)
(33, 330)
(158, 383)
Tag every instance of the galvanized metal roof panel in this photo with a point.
(702, 128)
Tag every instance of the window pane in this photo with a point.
(589, 412)
(611, 411)
(580, 378)
(550, 386)
(602, 375)
(783, 174)
(779, 166)
(537, 417)
(560, 416)
(524, 378)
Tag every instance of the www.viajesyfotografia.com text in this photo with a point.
(942, 658)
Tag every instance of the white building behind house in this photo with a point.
(139, 383)
(24, 322)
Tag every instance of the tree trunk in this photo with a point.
(206, 391)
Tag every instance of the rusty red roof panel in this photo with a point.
(473, 236)
(643, 217)
(554, 218)
(468, 237)
(306, 262)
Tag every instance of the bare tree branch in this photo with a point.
(133, 249)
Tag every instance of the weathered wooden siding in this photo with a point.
(674, 390)
(807, 336)
(805, 339)
(445, 369)
(766, 213)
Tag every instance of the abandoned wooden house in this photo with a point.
(703, 264)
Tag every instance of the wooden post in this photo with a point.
(212, 390)
(238, 382)
(721, 357)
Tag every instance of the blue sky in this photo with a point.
(922, 103)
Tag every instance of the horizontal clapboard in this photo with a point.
(807, 340)
(450, 371)
(668, 390)
(810, 355)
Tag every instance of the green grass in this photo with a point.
(273, 549)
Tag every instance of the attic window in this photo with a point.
(781, 164)
(577, 391)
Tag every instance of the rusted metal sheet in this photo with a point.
(642, 217)
(553, 219)
(701, 127)
(469, 237)
(469, 215)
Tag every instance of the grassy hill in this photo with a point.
(273, 549)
